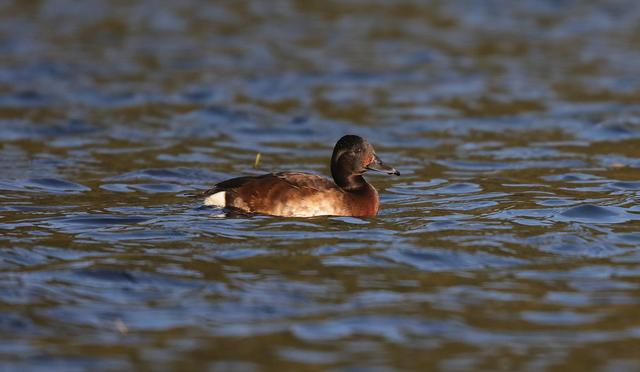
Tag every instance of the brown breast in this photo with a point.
(364, 202)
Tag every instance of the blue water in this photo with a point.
(510, 242)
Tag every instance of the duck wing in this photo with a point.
(281, 194)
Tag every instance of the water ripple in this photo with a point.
(509, 242)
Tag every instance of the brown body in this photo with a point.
(292, 194)
(295, 194)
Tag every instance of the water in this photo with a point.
(510, 242)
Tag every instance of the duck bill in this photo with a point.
(379, 166)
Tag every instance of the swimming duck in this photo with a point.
(296, 194)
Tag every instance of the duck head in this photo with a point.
(352, 157)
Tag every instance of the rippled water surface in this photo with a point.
(510, 242)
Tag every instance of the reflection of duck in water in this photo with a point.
(295, 194)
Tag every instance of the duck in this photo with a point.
(298, 194)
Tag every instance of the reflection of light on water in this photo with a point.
(509, 242)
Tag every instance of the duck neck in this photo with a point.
(350, 182)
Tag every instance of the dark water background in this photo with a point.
(510, 242)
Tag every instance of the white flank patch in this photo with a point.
(216, 200)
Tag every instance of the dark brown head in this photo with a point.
(352, 157)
